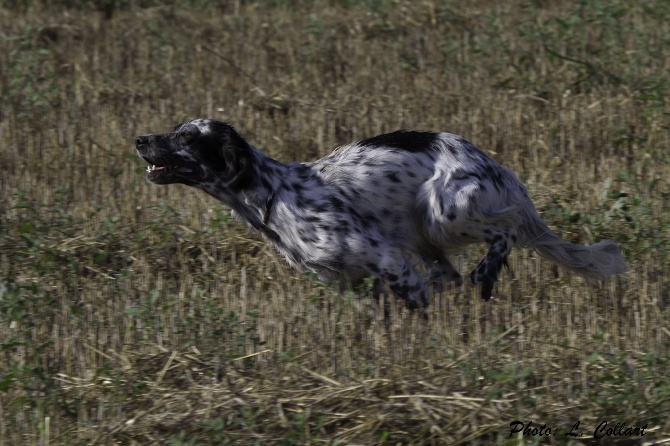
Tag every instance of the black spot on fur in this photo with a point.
(391, 277)
(496, 238)
(342, 226)
(295, 255)
(297, 187)
(337, 204)
(494, 175)
(308, 237)
(462, 175)
(462, 141)
(451, 215)
(371, 218)
(303, 202)
(352, 211)
(393, 176)
(304, 173)
(372, 268)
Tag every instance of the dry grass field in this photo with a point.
(133, 314)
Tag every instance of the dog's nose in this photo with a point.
(141, 141)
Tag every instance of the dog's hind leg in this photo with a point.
(500, 242)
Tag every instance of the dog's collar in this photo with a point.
(268, 208)
(266, 218)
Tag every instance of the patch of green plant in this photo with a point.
(592, 44)
(183, 439)
(29, 84)
(22, 307)
(304, 429)
(632, 206)
(628, 385)
(507, 379)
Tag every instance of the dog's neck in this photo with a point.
(268, 179)
(254, 204)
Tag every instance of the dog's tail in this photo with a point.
(595, 261)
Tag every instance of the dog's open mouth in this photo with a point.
(156, 173)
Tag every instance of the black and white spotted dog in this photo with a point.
(374, 207)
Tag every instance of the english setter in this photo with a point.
(375, 207)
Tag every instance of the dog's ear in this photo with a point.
(238, 166)
(237, 157)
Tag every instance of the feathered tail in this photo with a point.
(595, 261)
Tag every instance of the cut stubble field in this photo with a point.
(136, 314)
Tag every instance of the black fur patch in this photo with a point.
(403, 140)
(393, 176)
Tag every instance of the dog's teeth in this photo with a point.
(153, 167)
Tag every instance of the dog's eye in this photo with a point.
(188, 133)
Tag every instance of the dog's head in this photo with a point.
(195, 152)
